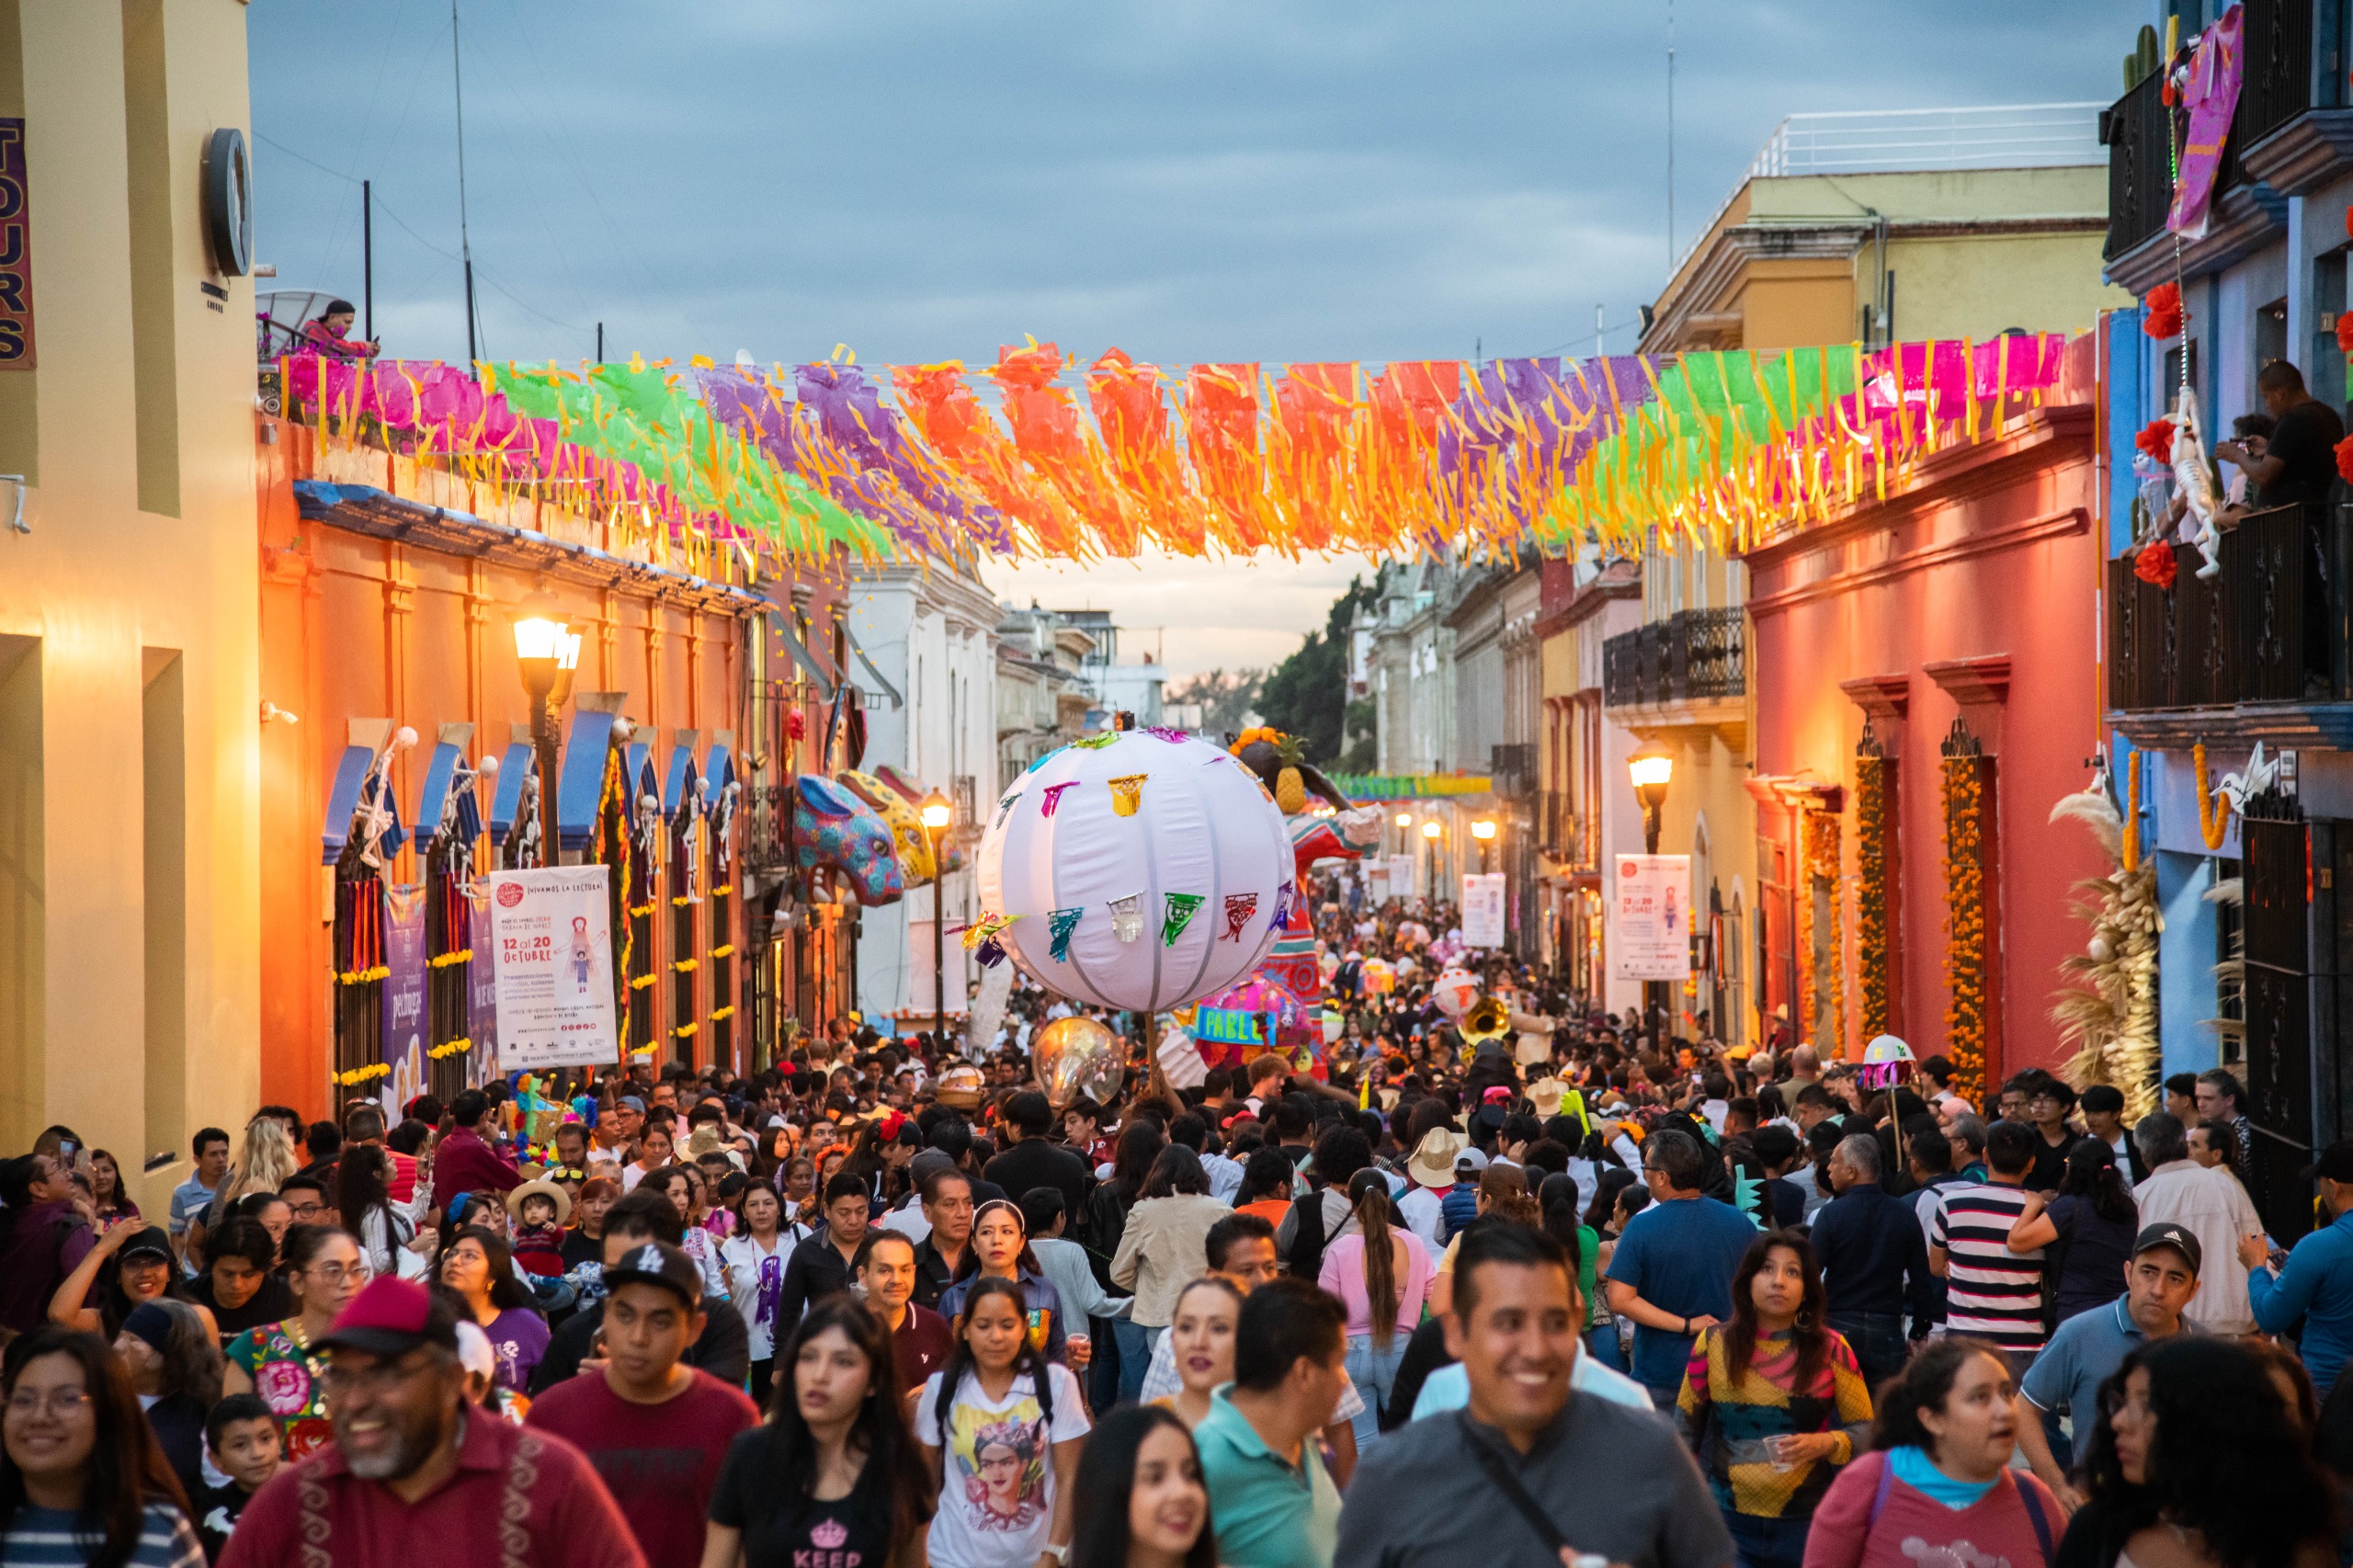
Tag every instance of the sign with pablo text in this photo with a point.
(1650, 917)
(551, 948)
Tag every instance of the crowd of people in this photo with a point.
(1574, 1288)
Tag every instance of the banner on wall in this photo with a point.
(1484, 895)
(1402, 881)
(552, 955)
(403, 996)
(1650, 918)
(481, 1002)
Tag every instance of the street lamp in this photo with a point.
(1652, 769)
(1405, 830)
(547, 651)
(1430, 832)
(936, 814)
(1483, 830)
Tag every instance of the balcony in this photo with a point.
(1512, 768)
(1693, 655)
(1564, 835)
(2236, 659)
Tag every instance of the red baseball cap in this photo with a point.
(392, 1316)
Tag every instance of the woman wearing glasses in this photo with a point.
(81, 1478)
(324, 1270)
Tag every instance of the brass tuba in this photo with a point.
(1487, 1018)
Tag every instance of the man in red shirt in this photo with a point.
(655, 1430)
(919, 1337)
(418, 1478)
(462, 1161)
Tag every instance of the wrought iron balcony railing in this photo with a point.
(1693, 655)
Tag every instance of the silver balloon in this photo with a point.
(1078, 1056)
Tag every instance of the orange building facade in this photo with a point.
(388, 598)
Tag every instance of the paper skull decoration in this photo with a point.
(1078, 1056)
(1454, 990)
(906, 827)
(1140, 869)
(831, 828)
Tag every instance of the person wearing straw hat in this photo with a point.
(536, 1212)
(1431, 1167)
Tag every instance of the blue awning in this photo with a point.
(719, 768)
(638, 776)
(679, 795)
(583, 775)
(352, 773)
(342, 801)
(508, 802)
(439, 770)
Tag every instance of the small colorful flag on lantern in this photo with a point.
(1126, 793)
(1060, 924)
(1282, 904)
(1127, 917)
(1178, 914)
(985, 929)
(1239, 908)
(1096, 742)
(1004, 807)
(1053, 798)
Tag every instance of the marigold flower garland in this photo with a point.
(1965, 1008)
(1822, 989)
(1874, 937)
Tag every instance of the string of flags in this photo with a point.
(1060, 460)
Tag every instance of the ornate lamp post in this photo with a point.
(1652, 770)
(547, 651)
(1483, 830)
(1430, 832)
(938, 812)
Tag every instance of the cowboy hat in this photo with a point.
(1432, 1162)
(539, 1189)
(1546, 1094)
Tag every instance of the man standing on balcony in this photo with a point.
(2297, 468)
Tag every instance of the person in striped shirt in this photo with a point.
(82, 1478)
(1991, 1292)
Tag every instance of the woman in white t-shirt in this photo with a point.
(1003, 1449)
(753, 1260)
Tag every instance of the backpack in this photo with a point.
(2034, 1512)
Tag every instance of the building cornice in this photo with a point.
(2245, 220)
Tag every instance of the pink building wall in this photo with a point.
(1973, 593)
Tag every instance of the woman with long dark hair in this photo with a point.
(2091, 1222)
(2193, 1465)
(1202, 1337)
(324, 1270)
(175, 1364)
(131, 1266)
(81, 1481)
(1382, 1273)
(1142, 1502)
(753, 1260)
(1556, 1205)
(833, 1475)
(108, 1199)
(1000, 1250)
(474, 1263)
(363, 1198)
(1936, 1485)
(1773, 1401)
(1159, 1249)
(1001, 1426)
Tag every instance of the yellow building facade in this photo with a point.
(129, 708)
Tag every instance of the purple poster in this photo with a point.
(482, 1005)
(2211, 97)
(404, 993)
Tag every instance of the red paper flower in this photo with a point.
(2157, 439)
(2155, 564)
(2345, 460)
(2349, 221)
(2163, 308)
(2344, 333)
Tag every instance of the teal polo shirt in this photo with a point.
(1267, 1512)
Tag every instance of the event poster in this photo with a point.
(481, 1004)
(1650, 918)
(1402, 881)
(551, 948)
(404, 992)
(1483, 909)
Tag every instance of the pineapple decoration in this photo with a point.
(1291, 792)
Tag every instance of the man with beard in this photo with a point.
(417, 1476)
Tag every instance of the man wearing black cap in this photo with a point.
(2087, 1349)
(655, 1430)
(416, 1475)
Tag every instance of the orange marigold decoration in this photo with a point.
(1875, 851)
(1964, 776)
(2162, 315)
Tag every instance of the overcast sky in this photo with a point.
(927, 179)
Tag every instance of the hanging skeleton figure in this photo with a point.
(377, 815)
(2193, 476)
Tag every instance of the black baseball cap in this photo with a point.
(150, 1240)
(2177, 1238)
(658, 1262)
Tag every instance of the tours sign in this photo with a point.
(1650, 918)
(16, 251)
(551, 945)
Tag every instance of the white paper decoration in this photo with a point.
(1170, 822)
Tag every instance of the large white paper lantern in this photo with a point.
(1142, 869)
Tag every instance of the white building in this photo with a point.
(1114, 684)
(1041, 703)
(930, 633)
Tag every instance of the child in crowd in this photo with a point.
(538, 1209)
(243, 1436)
